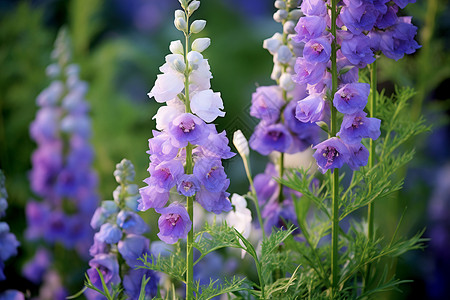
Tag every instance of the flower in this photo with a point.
(188, 185)
(351, 97)
(207, 104)
(167, 87)
(151, 197)
(109, 268)
(174, 223)
(187, 128)
(266, 103)
(268, 138)
(331, 154)
(357, 126)
(359, 156)
(215, 202)
(310, 109)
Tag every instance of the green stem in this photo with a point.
(371, 164)
(280, 192)
(255, 197)
(335, 175)
(188, 170)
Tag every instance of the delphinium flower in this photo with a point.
(364, 30)
(279, 131)
(186, 152)
(8, 242)
(61, 174)
(120, 240)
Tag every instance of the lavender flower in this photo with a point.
(357, 126)
(351, 98)
(174, 223)
(331, 154)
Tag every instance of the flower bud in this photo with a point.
(179, 65)
(284, 54)
(289, 27)
(197, 26)
(201, 44)
(295, 14)
(280, 15)
(180, 14)
(272, 44)
(241, 143)
(193, 6)
(280, 4)
(180, 24)
(276, 72)
(176, 47)
(286, 82)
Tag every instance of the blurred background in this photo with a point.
(120, 44)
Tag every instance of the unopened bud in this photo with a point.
(180, 24)
(284, 54)
(289, 27)
(201, 44)
(241, 144)
(193, 6)
(286, 82)
(179, 65)
(272, 44)
(295, 14)
(176, 47)
(180, 14)
(276, 72)
(197, 26)
(280, 4)
(280, 15)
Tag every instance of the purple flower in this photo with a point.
(174, 223)
(317, 50)
(266, 187)
(160, 146)
(34, 270)
(387, 19)
(165, 174)
(268, 138)
(37, 216)
(399, 39)
(351, 75)
(151, 197)
(310, 109)
(133, 247)
(108, 267)
(357, 126)
(46, 125)
(359, 156)
(351, 98)
(278, 215)
(132, 283)
(109, 234)
(359, 18)
(305, 131)
(12, 295)
(309, 28)
(188, 185)
(216, 145)
(98, 247)
(266, 103)
(215, 202)
(331, 154)
(308, 72)
(8, 242)
(187, 128)
(210, 173)
(314, 7)
(357, 50)
(131, 222)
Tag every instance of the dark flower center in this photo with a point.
(187, 127)
(275, 135)
(173, 219)
(330, 153)
(317, 48)
(187, 185)
(357, 122)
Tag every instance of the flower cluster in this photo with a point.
(61, 165)
(274, 105)
(120, 238)
(365, 29)
(8, 241)
(186, 152)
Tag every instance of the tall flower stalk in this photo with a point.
(186, 153)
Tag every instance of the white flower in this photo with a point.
(286, 82)
(201, 44)
(200, 76)
(167, 86)
(283, 55)
(166, 114)
(272, 44)
(241, 217)
(197, 26)
(207, 104)
(176, 47)
(241, 143)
